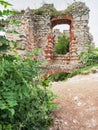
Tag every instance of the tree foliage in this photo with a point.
(62, 45)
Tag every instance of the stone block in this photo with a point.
(77, 19)
(85, 17)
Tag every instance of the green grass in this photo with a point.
(84, 71)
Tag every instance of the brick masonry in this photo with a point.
(36, 31)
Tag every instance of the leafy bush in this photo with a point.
(24, 102)
(90, 57)
(62, 45)
(25, 99)
(58, 76)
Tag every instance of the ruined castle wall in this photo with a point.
(21, 36)
(32, 31)
(81, 28)
(41, 26)
(35, 31)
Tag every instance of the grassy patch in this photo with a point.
(83, 71)
(58, 76)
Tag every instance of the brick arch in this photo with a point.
(49, 73)
(64, 19)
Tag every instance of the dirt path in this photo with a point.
(78, 98)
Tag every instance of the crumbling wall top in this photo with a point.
(75, 9)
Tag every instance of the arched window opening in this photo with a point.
(62, 38)
(62, 27)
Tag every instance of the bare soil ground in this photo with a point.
(78, 101)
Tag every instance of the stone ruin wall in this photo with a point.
(81, 29)
(32, 32)
(35, 31)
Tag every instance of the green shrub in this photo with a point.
(25, 99)
(62, 45)
(90, 57)
(58, 76)
(24, 102)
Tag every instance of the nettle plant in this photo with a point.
(90, 57)
(25, 99)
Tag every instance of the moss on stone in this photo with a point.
(49, 8)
